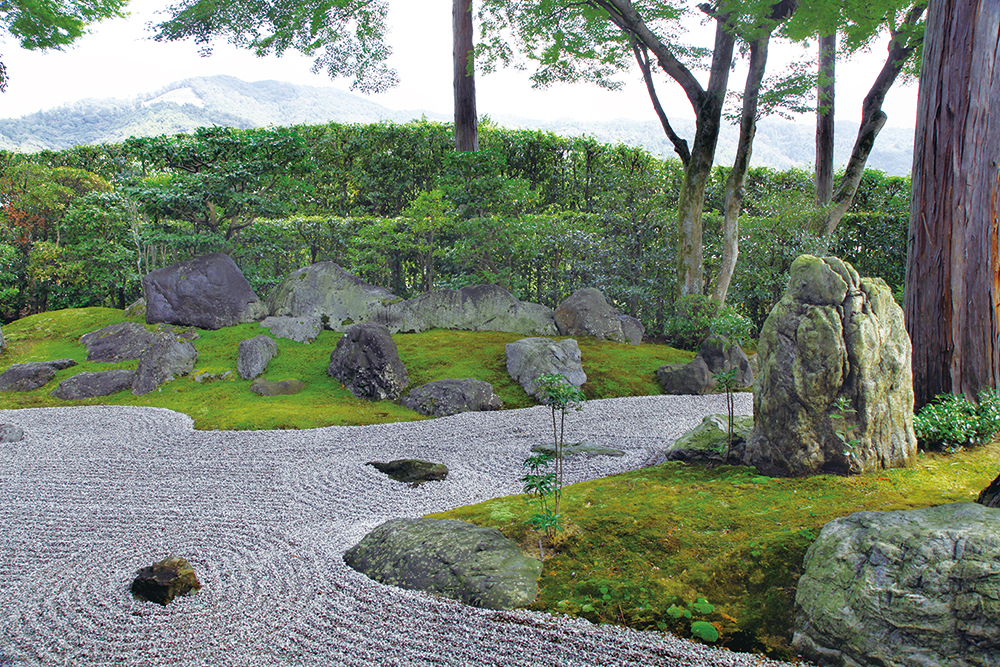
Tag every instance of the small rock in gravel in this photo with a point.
(163, 581)
(412, 471)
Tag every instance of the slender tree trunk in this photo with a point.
(738, 175)
(872, 120)
(466, 132)
(824, 119)
(953, 270)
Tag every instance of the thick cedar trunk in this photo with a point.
(872, 120)
(738, 176)
(466, 133)
(824, 119)
(953, 271)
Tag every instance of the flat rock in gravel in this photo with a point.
(117, 342)
(254, 354)
(161, 582)
(412, 471)
(89, 385)
(442, 398)
(471, 564)
(32, 375)
(301, 329)
(11, 433)
(585, 449)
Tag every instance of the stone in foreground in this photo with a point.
(162, 582)
(208, 292)
(412, 471)
(903, 589)
(471, 564)
(833, 335)
(990, 496)
(324, 290)
(443, 398)
(117, 342)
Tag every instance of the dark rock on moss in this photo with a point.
(117, 342)
(587, 313)
(89, 385)
(475, 565)
(165, 358)
(412, 471)
(263, 387)
(367, 361)
(32, 375)
(162, 582)
(442, 398)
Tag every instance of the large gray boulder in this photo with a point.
(117, 342)
(903, 589)
(717, 355)
(477, 566)
(474, 308)
(530, 358)
(832, 335)
(254, 354)
(89, 385)
(32, 375)
(166, 358)
(301, 329)
(449, 397)
(208, 292)
(326, 291)
(367, 361)
(587, 313)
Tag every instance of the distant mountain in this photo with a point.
(226, 100)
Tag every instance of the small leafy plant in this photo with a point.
(952, 421)
(841, 415)
(726, 381)
(561, 397)
(540, 482)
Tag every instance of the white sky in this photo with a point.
(119, 60)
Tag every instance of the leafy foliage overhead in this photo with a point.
(346, 36)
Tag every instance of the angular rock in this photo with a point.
(412, 471)
(903, 589)
(117, 342)
(442, 398)
(254, 355)
(990, 496)
(832, 335)
(585, 449)
(326, 291)
(163, 581)
(721, 356)
(473, 308)
(367, 361)
(137, 308)
(690, 378)
(208, 292)
(11, 433)
(263, 387)
(31, 375)
(530, 358)
(474, 565)
(89, 385)
(166, 358)
(707, 441)
(301, 329)
(587, 313)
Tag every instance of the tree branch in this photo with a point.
(680, 145)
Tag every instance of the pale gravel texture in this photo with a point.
(92, 494)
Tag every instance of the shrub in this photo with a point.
(697, 317)
(952, 421)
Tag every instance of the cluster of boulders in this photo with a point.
(700, 375)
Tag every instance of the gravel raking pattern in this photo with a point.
(94, 493)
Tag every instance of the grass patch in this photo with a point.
(644, 546)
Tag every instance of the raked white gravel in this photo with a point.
(94, 493)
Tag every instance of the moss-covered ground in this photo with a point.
(694, 550)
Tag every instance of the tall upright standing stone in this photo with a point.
(832, 335)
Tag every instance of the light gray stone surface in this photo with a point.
(449, 397)
(587, 313)
(254, 354)
(326, 291)
(301, 329)
(903, 589)
(530, 358)
(166, 358)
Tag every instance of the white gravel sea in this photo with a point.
(92, 494)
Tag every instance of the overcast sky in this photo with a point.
(119, 60)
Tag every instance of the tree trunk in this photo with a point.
(824, 119)
(466, 132)
(738, 176)
(953, 271)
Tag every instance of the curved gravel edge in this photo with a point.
(94, 493)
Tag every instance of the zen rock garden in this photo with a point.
(832, 395)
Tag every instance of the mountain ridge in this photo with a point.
(226, 100)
